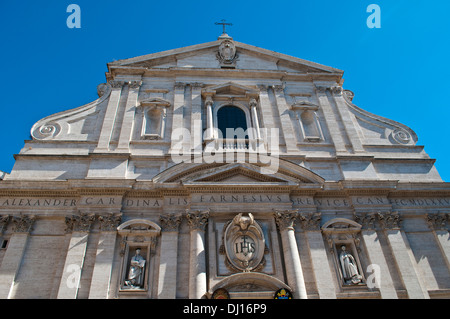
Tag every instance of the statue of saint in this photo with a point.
(136, 273)
(349, 267)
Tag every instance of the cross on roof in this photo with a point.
(223, 23)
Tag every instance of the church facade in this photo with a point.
(223, 170)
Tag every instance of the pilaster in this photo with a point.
(331, 120)
(101, 276)
(128, 117)
(438, 223)
(266, 107)
(167, 280)
(14, 254)
(196, 118)
(178, 110)
(390, 222)
(70, 279)
(110, 116)
(285, 119)
(346, 117)
(322, 271)
(376, 255)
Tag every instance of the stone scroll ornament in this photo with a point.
(244, 243)
(401, 136)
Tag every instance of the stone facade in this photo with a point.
(138, 195)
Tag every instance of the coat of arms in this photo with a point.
(244, 243)
(227, 53)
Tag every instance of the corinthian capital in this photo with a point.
(197, 220)
(437, 221)
(81, 223)
(310, 221)
(23, 224)
(389, 220)
(286, 219)
(366, 220)
(116, 84)
(170, 222)
(109, 222)
(134, 84)
(3, 222)
(179, 85)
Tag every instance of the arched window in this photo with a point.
(234, 119)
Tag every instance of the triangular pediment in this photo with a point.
(205, 56)
(230, 89)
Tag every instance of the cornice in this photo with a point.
(236, 73)
(133, 188)
(238, 188)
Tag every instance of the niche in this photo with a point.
(154, 113)
(309, 121)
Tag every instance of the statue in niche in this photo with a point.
(349, 267)
(136, 273)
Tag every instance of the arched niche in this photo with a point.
(138, 247)
(343, 238)
(154, 113)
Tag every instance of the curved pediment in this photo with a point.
(341, 225)
(138, 226)
(237, 173)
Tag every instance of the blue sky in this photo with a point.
(400, 71)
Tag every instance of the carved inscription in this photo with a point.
(23, 202)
